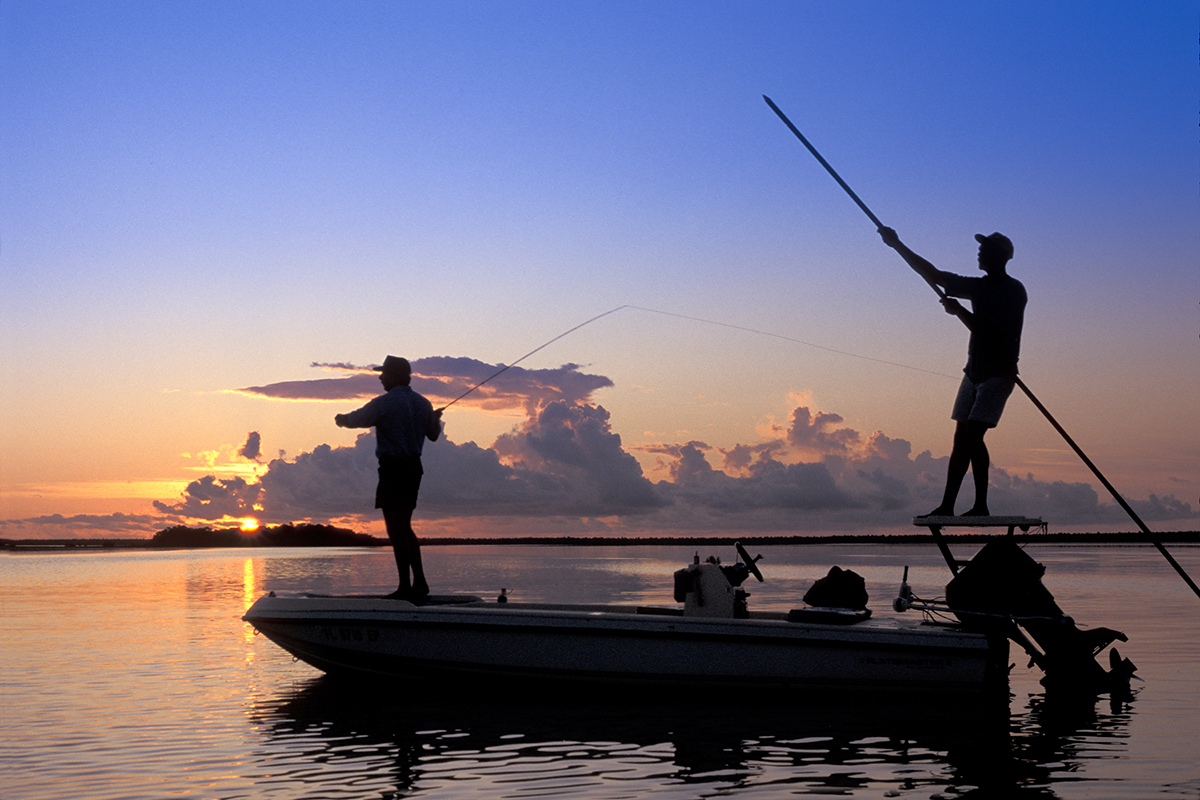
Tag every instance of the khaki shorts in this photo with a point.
(983, 401)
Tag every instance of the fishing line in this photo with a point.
(690, 319)
(791, 339)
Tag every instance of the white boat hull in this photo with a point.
(615, 644)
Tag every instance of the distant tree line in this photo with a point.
(305, 535)
(1031, 537)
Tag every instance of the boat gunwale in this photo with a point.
(329, 658)
(552, 619)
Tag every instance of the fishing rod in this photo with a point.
(505, 368)
(1037, 403)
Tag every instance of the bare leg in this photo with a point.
(419, 584)
(979, 471)
(968, 451)
(407, 551)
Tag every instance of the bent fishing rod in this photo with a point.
(506, 367)
(1037, 403)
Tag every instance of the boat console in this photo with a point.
(707, 589)
(710, 590)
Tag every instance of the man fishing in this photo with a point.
(995, 320)
(403, 420)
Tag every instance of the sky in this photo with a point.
(216, 217)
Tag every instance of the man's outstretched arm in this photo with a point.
(434, 429)
(928, 271)
(922, 267)
(363, 417)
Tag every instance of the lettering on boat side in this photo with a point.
(349, 634)
(897, 661)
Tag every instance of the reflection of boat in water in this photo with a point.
(390, 739)
(712, 639)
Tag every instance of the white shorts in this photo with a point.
(983, 401)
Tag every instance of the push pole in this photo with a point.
(1111, 489)
(824, 163)
(1037, 403)
(838, 178)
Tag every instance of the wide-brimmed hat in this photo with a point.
(997, 240)
(394, 365)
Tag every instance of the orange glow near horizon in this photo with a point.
(249, 525)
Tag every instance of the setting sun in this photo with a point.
(249, 525)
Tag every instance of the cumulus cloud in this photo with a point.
(565, 463)
(564, 468)
(252, 449)
(576, 456)
(327, 483)
(770, 484)
(1080, 503)
(211, 498)
(819, 432)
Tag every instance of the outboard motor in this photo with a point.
(1000, 591)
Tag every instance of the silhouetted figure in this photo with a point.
(995, 320)
(403, 420)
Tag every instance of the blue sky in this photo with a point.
(203, 197)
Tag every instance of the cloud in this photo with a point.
(118, 524)
(575, 455)
(1073, 503)
(564, 462)
(819, 432)
(564, 466)
(771, 484)
(514, 388)
(211, 498)
(252, 448)
(340, 366)
(563, 469)
(444, 379)
(327, 483)
(347, 388)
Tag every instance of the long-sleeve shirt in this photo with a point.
(402, 419)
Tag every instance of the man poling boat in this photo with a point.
(995, 321)
(930, 278)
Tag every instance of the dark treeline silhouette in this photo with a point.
(1178, 537)
(305, 535)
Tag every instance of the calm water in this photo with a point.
(131, 675)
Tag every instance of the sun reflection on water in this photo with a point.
(249, 595)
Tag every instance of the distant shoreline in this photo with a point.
(365, 540)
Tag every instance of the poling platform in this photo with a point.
(999, 592)
(1024, 523)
